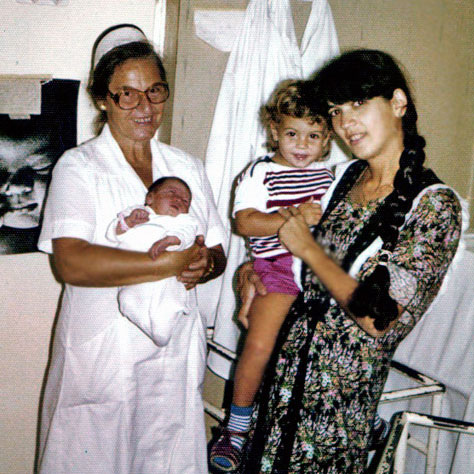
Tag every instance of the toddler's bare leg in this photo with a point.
(266, 317)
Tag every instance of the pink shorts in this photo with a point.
(276, 274)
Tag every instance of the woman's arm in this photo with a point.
(80, 263)
(296, 236)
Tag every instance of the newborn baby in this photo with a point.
(163, 223)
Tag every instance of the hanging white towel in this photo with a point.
(265, 53)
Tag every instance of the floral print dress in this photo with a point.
(336, 369)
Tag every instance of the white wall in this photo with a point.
(41, 39)
(28, 301)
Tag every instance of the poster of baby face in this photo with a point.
(29, 148)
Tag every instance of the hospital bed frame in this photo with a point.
(392, 460)
(426, 387)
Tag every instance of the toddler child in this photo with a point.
(163, 223)
(295, 175)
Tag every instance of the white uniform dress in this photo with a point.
(114, 402)
(155, 306)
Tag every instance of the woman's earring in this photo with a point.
(102, 107)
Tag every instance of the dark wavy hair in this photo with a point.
(101, 75)
(361, 75)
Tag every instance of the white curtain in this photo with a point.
(159, 26)
(265, 52)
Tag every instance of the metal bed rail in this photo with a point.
(217, 413)
(392, 460)
(427, 387)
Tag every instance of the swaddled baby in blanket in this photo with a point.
(163, 223)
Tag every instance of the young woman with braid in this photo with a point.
(371, 270)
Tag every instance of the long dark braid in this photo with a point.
(368, 74)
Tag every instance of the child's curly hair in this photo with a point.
(295, 98)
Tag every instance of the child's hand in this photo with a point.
(161, 245)
(137, 216)
(311, 212)
(295, 234)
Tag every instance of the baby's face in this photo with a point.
(170, 199)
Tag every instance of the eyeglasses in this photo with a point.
(129, 98)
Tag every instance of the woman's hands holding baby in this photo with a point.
(191, 276)
(209, 264)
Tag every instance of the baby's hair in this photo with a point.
(362, 75)
(160, 181)
(293, 98)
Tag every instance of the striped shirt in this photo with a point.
(267, 186)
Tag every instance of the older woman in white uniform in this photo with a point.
(115, 402)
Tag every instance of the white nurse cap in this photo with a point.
(117, 36)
